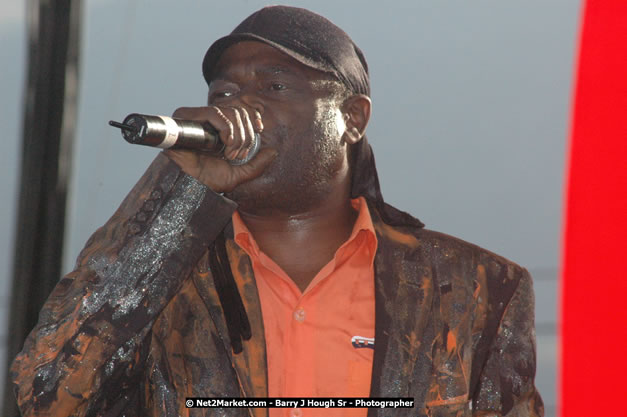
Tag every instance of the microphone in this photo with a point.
(170, 133)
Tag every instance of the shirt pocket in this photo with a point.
(358, 376)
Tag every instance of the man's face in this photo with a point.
(302, 121)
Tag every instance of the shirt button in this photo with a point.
(299, 315)
(296, 412)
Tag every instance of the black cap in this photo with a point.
(307, 37)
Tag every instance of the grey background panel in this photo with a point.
(471, 105)
(545, 285)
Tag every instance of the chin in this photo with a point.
(256, 189)
(267, 186)
(263, 196)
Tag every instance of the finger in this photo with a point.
(181, 112)
(250, 133)
(240, 134)
(258, 121)
(224, 125)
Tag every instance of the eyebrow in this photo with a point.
(275, 69)
(263, 70)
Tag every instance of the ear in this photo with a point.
(356, 111)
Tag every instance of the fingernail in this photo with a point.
(259, 124)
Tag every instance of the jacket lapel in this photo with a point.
(249, 365)
(403, 326)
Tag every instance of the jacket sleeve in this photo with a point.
(506, 384)
(86, 353)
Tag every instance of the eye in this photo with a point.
(220, 89)
(277, 87)
(221, 94)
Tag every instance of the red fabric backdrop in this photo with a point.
(594, 278)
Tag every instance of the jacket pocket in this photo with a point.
(450, 408)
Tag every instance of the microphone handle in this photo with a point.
(171, 133)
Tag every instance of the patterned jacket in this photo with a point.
(137, 327)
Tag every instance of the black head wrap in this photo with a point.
(316, 42)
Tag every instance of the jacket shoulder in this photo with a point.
(449, 246)
(453, 263)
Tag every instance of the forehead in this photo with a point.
(251, 57)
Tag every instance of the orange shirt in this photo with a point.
(319, 341)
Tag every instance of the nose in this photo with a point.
(249, 98)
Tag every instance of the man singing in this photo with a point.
(288, 276)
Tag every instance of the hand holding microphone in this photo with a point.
(219, 146)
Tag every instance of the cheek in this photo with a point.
(340, 124)
(328, 125)
(306, 132)
(281, 120)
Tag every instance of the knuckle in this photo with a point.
(180, 112)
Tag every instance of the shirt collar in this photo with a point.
(244, 238)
